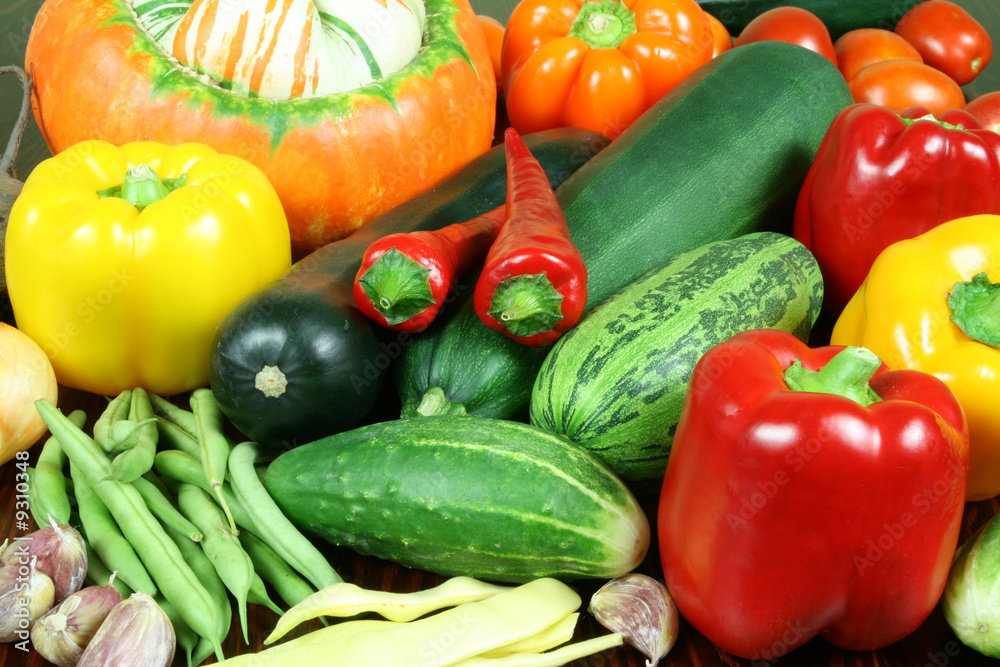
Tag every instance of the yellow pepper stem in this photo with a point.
(143, 187)
(975, 308)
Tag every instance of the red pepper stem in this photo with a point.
(975, 308)
(398, 286)
(527, 304)
(846, 374)
(603, 24)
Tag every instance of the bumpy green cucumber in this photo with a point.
(464, 495)
(616, 382)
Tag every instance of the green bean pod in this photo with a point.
(200, 653)
(186, 638)
(175, 414)
(157, 550)
(205, 571)
(214, 445)
(272, 524)
(181, 467)
(173, 436)
(220, 545)
(258, 595)
(137, 460)
(48, 495)
(164, 510)
(98, 574)
(105, 537)
(289, 586)
(116, 410)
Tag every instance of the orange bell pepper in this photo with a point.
(598, 64)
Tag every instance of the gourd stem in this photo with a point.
(846, 374)
(975, 308)
(14, 142)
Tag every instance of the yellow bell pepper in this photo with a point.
(928, 303)
(121, 261)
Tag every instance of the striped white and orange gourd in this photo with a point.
(285, 49)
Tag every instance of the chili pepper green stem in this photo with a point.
(846, 374)
(397, 285)
(603, 24)
(527, 304)
(975, 308)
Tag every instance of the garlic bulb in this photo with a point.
(136, 633)
(61, 553)
(25, 595)
(61, 635)
(25, 376)
(641, 609)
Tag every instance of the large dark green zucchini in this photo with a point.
(839, 16)
(615, 383)
(464, 495)
(723, 155)
(297, 360)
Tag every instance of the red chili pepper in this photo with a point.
(533, 287)
(405, 278)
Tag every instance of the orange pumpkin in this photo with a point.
(336, 160)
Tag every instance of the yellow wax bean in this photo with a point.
(344, 599)
(443, 639)
(555, 658)
(547, 639)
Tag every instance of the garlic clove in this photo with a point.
(641, 609)
(25, 595)
(61, 553)
(61, 635)
(136, 633)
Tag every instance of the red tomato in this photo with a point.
(793, 25)
(901, 84)
(721, 39)
(948, 38)
(493, 30)
(860, 48)
(986, 110)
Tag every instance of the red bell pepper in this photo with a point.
(880, 177)
(802, 498)
(533, 286)
(405, 278)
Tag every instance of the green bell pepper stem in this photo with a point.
(846, 374)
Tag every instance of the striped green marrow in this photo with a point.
(487, 498)
(839, 16)
(723, 155)
(616, 382)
